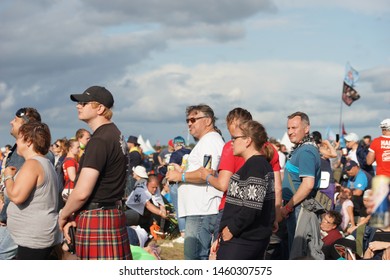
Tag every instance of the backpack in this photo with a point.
(60, 173)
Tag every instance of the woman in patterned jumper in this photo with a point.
(247, 220)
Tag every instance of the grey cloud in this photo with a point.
(49, 42)
(219, 33)
(173, 12)
(378, 78)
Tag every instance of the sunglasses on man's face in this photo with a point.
(193, 120)
(83, 104)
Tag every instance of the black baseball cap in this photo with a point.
(95, 93)
(350, 164)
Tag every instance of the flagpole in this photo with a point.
(341, 112)
(351, 95)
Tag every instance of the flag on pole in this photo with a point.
(330, 135)
(351, 75)
(349, 93)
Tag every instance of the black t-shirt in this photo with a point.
(135, 159)
(106, 152)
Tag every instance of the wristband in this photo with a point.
(183, 177)
(207, 179)
(289, 210)
(8, 177)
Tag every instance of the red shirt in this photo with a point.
(68, 162)
(381, 147)
(332, 236)
(233, 163)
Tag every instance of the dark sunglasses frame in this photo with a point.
(193, 120)
(22, 113)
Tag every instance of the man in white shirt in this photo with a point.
(198, 201)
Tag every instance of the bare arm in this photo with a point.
(80, 194)
(351, 216)
(71, 170)
(370, 158)
(221, 182)
(278, 195)
(327, 150)
(29, 177)
(303, 191)
(362, 221)
(155, 210)
(278, 188)
(190, 177)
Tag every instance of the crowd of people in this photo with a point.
(97, 195)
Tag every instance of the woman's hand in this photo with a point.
(226, 234)
(10, 171)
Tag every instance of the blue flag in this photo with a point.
(330, 135)
(351, 75)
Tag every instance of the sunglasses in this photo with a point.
(22, 113)
(193, 120)
(83, 104)
(234, 138)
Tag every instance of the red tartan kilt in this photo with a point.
(102, 235)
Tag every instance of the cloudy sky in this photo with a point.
(272, 57)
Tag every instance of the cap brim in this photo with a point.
(80, 98)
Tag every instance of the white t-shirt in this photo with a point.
(352, 156)
(201, 199)
(140, 195)
(282, 159)
(344, 213)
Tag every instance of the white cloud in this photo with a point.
(269, 89)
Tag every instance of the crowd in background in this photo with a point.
(245, 198)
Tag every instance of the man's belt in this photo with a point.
(103, 205)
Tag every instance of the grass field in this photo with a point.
(170, 250)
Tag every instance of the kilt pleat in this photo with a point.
(102, 235)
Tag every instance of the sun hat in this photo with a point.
(385, 124)
(140, 171)
(351, 137)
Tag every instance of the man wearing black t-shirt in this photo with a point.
(100, 183)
